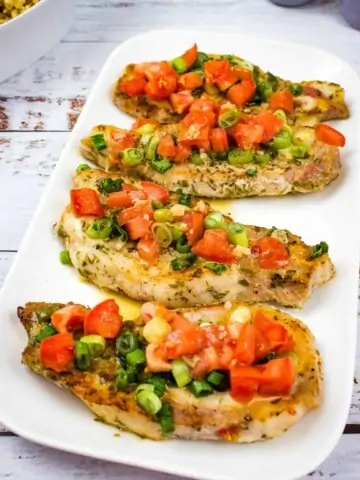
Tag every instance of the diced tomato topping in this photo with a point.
(194, 136)
(148, 249)
(85, 201)
(138, 227)
(122, 140)
(190, 55)
(329, 135)
(134, 193)
(242, 92)
(273, 253)
(227, 80)
(276, 338)
(203, 105)
(152, 70)
(119, 199)
(310, 91)
(104, 319)
(245, 382)
(215, 70)
(189, 81)
(215, 246)
(155, 192)
(181, 101)
(166, 146)
(57, 352)
(219, 140)
(246, 344)
(195, 226)
(130, 213)
(144, 121)
(283, 100)
(277, 377)
(247, 136)
(69, 318)
(183, 152)
(271, 124)
(185, 341)
(156, 360)
(134, 86)
(162, 84)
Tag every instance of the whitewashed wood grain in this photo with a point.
(26, 461)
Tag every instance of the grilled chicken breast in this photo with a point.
(215, 417)
(116, 264)
(218, 178)
(314, 102)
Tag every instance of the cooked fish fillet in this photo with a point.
(319, 101)
(216, 417)
(219, 179)
(116, 265)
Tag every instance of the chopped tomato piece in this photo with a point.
(85, 201)
(119, 199)
(227, 80)
(185, 341)
(219, 140)
(134, 193)
(310, 91)
(156, 359)
(203, 105)
(155, 191)
(144, 121)
(245, 382)
(283, 100)
(152, 70)
(246, 344)
(329, 135)
(270, 123)
(190, 55)
(148, 249)
(242, 73)
(278, 377)
(181, 101)
(69, 318)
(190, 81)
(215, 69)
(138, 227)
(57, 352)
(195, 226)
(273, 253)
(215, 246)
(208, 359)
(134, 86)
(104, 319)
(276, 337)
(166, 146)
(130, 213)
(194, 136)
(122, 140)
(242, 92)
(162, 84)
(247, 136)
(183, 152)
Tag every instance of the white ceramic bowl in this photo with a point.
(29, 36)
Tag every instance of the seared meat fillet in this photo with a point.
(116, 264)
(215, 417)
(215, 178)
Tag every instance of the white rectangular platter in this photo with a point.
(41, 412)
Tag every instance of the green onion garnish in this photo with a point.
(99, 141)
(82, 356)
(150, 153)
(148, 401)
(196, 159)
(82, 167)
(183, 261)
(296, 90)
(240, 157)
(201, 59)
(161, 166)
(181, 373)
(201, 388)
(215, 378)
(132, 156)
(182, 245)
(65, 258)
(126, 343)
(95, 343)
(237, 234)
(281, 114)
(179, 65)
(229, 118)
(263, 157)
(159, 384)
(251, 172)
(166, 419)
(319, 250)
(299, 151)
(184, 199)
(137, 357)
(283, 139)
(45, 332)
(122, 380)
(162, 234)
(221, 156)
(44, 314)
(215, 220)
(110, 185)
(101, 228)
(163, 215)
(217, 268)
(270, 231)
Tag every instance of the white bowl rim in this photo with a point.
(21, 15)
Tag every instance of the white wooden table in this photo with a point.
(39, 106)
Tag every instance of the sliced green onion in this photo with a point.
(270, 231)
(156, 204)
(110, 185)
(150, 153)
(82, 356)
(132, 156)
(262, 157)
(185, 199)
(177, 230)
(132, 373)
(183, 261)
(166, 418)
(240, 157)
(237, 234)
(99, 141)
(229, 118)
(296, 90)
(82, 167)
(161, 166)
(126, 343)
(163, 215)
(319, 250)
(217, 268)
(251, 172)
(65, 258)
(299, 151)
(45, 332)
(283, 139)
(119, 232)
(221, 156)
(281, 114)
(44, 314)
(159, 384)
(201, 388)
(145, 387)
(146, 129)
(122, 379)
(196, 159)
(215, 378)
(265, 91)
(149, 402)
(182, 245)
(201, 59)
(181, 373)
(96, 344)
(214, 220)
(179, 65)
(162, 234)
(137, 357)
(101, 228)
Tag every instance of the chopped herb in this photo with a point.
(161, 166)
(82, 167)
(184, 199)
(320, 249)
(110, 185)
(217, 268)
(45, 332)
(296, 90)
(99, 141)
(183, 261)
